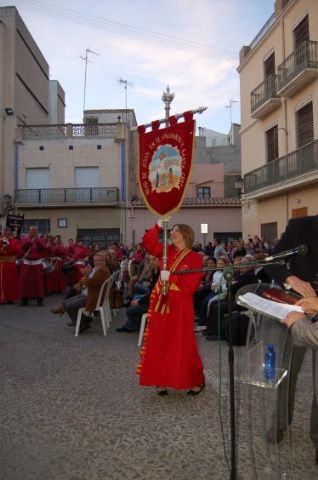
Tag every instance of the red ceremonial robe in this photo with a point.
(169, 356)
(9, 287)
(31, 281)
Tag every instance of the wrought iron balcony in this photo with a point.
(299, 162)
(67, 131)
(199, 202)
(264, 97)
(298, 69)
(66, 196)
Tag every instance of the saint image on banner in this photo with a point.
(165, 169)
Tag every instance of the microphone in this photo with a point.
(300, 250)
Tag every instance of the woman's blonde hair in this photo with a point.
(186, 232)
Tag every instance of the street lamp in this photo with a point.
(239, 185)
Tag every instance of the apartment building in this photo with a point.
(24, 91)
(71, 179)
(279, 118)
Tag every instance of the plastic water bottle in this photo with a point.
(270, 362)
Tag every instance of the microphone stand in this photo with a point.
(228, 273)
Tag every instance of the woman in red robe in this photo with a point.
(169, 356)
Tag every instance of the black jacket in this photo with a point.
(299, 231)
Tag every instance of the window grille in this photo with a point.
(43, 225)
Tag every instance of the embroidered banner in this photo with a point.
(165, 157)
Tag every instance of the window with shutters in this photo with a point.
(304, 125)
(272, 144)
(269, 66)
(301, 32)
(269, 76)
(86, 177)
(37, 178)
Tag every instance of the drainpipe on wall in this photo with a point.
(16, 167)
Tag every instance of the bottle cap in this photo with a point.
(270, 346)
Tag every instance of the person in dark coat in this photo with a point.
(300, 274)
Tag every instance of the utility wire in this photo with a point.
(123, 29)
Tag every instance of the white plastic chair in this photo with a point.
(142, 328)
(101, 307)
(107, 307)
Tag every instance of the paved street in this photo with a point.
(71, 408)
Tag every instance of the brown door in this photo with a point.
(299, 212)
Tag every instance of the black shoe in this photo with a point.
(10, 302)
(124, 329)
(24, 302)
(192, 393)
(161, 391)
(40, 302)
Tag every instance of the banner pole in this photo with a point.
(177, 116)
(164, 257)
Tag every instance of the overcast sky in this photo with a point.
(191, 45)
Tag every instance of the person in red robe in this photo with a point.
(80, 255)
(9, 250)
(169, 356)
(31, 282)
(59, 257)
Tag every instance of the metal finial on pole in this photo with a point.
(167, 98)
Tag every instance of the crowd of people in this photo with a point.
(37, 265)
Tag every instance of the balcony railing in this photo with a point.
(194, 201)
(263, 92)
(305, 56)
(60, 196)
(263, 31)
(294, 164)
(66, 131)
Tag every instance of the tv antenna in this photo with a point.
(230, 106)
(88, 50)
(126, 84)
